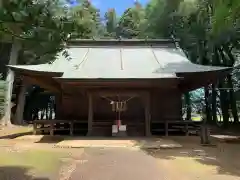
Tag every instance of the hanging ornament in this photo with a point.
(117, 108)
(121, 106)
(113, 106)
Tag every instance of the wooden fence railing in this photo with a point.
(175, 126)
(52, 126)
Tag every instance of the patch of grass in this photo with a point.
(199, 118)
(40, 160)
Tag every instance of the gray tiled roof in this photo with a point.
(121, 62)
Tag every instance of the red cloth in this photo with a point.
(118, 123)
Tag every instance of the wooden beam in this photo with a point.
(199, 80)
(90, 114)
(43, 84)
(159, 83)
(193, 85)
(118, 92)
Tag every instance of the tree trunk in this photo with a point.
(207, 110)
(188, 104)
(224, 105)
(214, 104)
(21, 105)
(223, 92)
(204, 132)
(9, 80)
(205, 135)
(232, 99)
(215, 62)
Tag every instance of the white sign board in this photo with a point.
(114, 129)
(123, 128)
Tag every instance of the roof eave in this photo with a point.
(30, 71)
(217, 70)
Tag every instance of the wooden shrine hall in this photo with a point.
(118, 86)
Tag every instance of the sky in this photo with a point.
(118, 5)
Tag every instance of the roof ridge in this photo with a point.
(122, 42)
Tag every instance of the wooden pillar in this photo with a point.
(71, 128)
(58, 101)
(21, 104)
(166, 128)
(147, 115)
(90, 114)
(51, 129)
(34, 128)
(187, 130)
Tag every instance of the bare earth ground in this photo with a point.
(195, 162)
(117, 164)
(27, 161)
(6, 132)
(23, 160)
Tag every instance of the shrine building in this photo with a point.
(127, 84)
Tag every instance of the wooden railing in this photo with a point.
(51, 126)
(70, 126)
(176, 126)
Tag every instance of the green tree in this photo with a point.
(209, 35)
(87, 18)
(111, 23)
(131, 23)
(38, 27)
(159, 15)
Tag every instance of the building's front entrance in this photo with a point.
(119, 114)
(98, 113)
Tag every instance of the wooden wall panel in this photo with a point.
(166, 105)
(75, 106)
